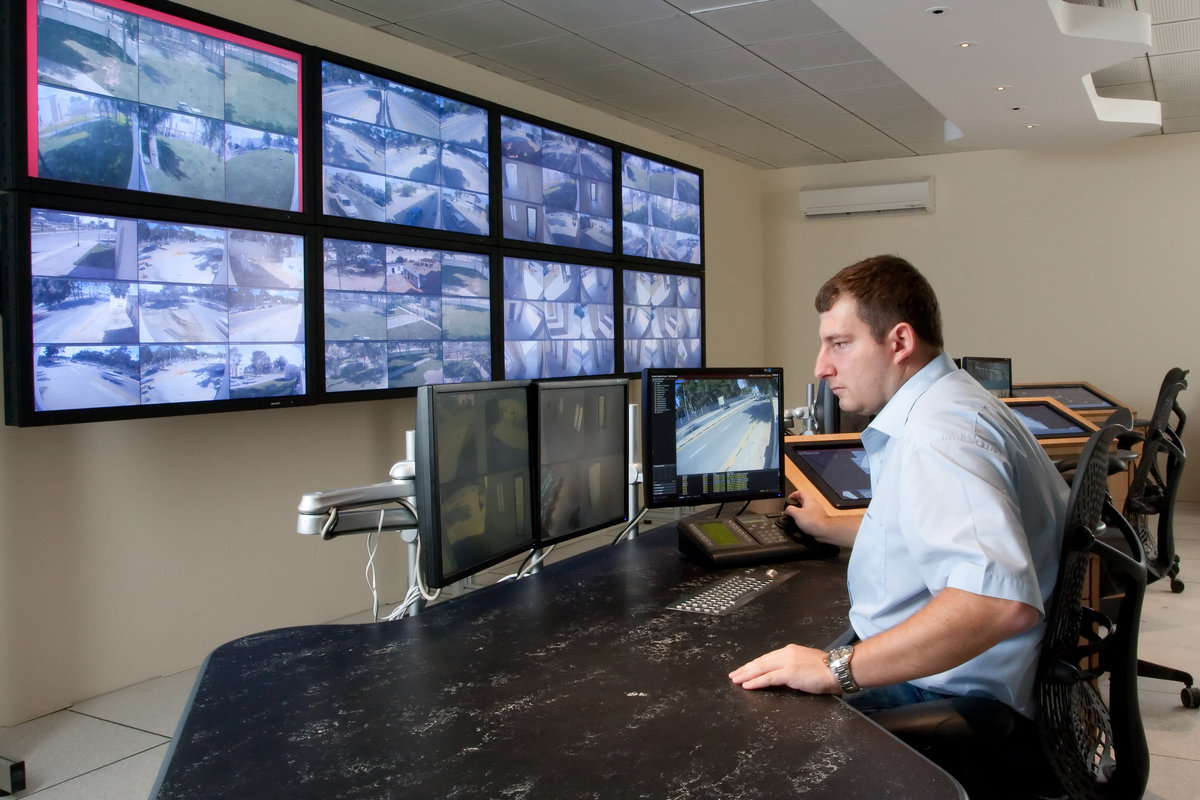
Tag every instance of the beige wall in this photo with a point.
(131, 549)
(1080, 266)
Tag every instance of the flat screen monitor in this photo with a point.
(558, 319)
(556, 188)
(664, 320)
(397, 316)
(474, 473)
(135, 99)
(1075, 396)
(127, 315)
(660, 211)
(399, 154)
(839, 470)
(995, 374)
(1048, 421)
(583, 459)
(711, 435)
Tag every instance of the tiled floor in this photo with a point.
(111, 747)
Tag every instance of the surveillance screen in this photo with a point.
(404, 316)
(132, 98)
(133, 312)
(394, 153)
(663, 320)
(558, 319)
(660, 210)
(1046, 422)
(557, 188)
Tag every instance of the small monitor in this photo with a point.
(474, 477)
(1075, 396)
(994, 373)
(712, 435)
(839, 470)
(583, 460)
(1046, 420)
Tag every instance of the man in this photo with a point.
(953, 564)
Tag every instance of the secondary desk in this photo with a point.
(575, 682)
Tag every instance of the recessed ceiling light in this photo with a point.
(1003, 88)
(1031, 125)
(965, 44)
(937, 10)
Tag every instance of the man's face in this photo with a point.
(857, 368)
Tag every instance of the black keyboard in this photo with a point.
(731, 592)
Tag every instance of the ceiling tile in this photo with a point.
(878, 98)
(337, 9)
(613, 81)
(1132, 71)
(807, 52)
(848, 77)
(766, 22)
(663, 101)
(712, 65)
(1175, 65)
(1175, 37)
(483, 62)
(1171, 10)
(811, 127)
(718, 116)
(659, 38)
(782, 110)
(1187, 107)
(1129, 91)
(581, 16)
(1177, 89)
(901, 116)
(420, 39)
(391, 11)
(484, 27)
(560, 55)
(1181, 125)
(742, 91)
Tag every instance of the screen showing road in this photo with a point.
(133, 312)
(712, 435)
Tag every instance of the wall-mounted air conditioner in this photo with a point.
(910, 196)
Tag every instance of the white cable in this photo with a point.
(372, 547)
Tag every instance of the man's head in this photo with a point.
(880, 324)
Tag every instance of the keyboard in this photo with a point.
(731, 592)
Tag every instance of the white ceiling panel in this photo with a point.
(789, 82)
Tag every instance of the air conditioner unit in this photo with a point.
(914, 195)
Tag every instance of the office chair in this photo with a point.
(1152, 491)
(1088, 740)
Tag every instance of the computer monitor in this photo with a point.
(582, 433)
(839, 469)
(474, 477)
(711, 435)
(1046, 420)
(994, 373)
(1075, 396)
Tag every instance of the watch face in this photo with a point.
(838, 653)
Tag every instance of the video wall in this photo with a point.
(199, 216)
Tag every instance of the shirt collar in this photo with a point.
(890, 420)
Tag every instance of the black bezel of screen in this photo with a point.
(430, 527)
(798, 450)
(18, 316)
(1080, 428)
(620, 513)
(1060, 391)
(659, 440)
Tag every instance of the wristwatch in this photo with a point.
(838, 660)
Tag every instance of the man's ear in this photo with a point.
(903, 342)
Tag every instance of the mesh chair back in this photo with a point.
(1088, 718)
(1154, 484)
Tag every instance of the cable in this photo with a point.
(372, 546)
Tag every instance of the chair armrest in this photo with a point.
(953, 717)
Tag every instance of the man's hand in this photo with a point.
(797, 667)
(811, 517)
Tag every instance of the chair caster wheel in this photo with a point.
(1176, 586)
(1190, 695)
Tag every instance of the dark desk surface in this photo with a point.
(576, 682)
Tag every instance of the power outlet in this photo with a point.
(12, 776)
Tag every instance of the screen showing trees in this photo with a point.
(400, 316)
(135, 99)
(660, 210)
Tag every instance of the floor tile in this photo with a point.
(65, 745)
(153, 706)
(128, 778)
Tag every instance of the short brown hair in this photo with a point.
(888, 290)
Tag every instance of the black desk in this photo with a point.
(576, 682)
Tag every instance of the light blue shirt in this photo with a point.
(963, 496)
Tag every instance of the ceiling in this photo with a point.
(782, 83)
